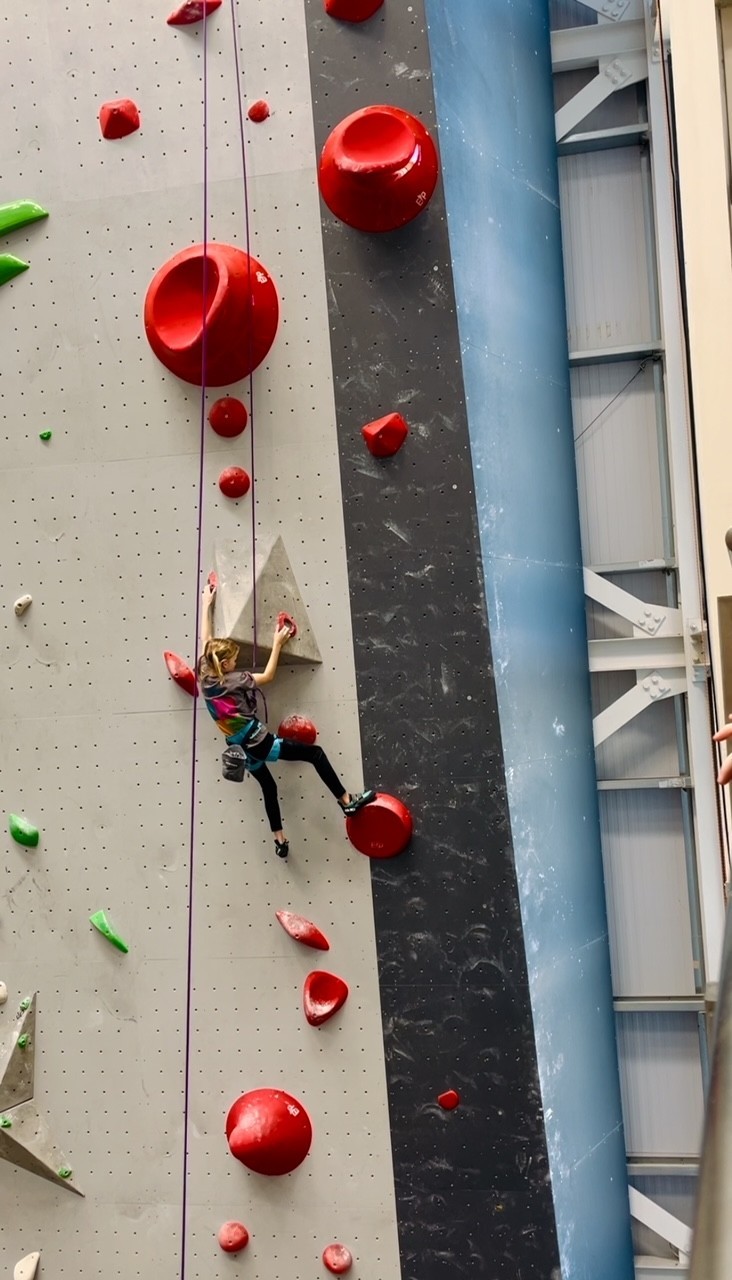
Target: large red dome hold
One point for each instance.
(378, 169)
(241, 311)
(269, 1131)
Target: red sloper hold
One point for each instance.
(378, 169)
(269, 1131)
(192, 11)
(234, 482)
(323, 994)
(385, 436)
(242, 313)
(181, 672)
(284, 620)
(298, 729)
(381, 829)
(233, 1236)
(228, 417)
(338, 1259)
(259, 111)
(303, 930)
(352, 10)
(118, 118)
(449, 1100)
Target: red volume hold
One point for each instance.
(381, 829)
(298, 729)
(337, 1259)
(234, 482)
(192, 11)
(181, 672)
(303, 930)
(118, 118)
(241, 314)
(378, 169)
(269, 1131)
(323, 994)
(228, 417)
(352, 10)
(385, 436)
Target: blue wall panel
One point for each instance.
(492, 79)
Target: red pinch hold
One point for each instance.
(449, 1100)
(118, 118)
(192, 11)
(259, 111)
(284, 620)
(233, 1236)
(303, 930)
(385, 436)
(323, 994)
(181, 672)
(234, 482)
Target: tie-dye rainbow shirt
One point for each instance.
(232, 701)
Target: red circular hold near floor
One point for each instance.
(259, 111)
(241, 309)
(338, 1259)
(378, 169)
(352, 10)
(298, 729)
(269, 1131)
(228, 417)
(381, 829)
(233, 1237)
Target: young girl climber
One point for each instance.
(231, 697)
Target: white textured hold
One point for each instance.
(3, 993)
(22, 603)
(27, 1267)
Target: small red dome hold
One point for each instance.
(303, 930)
(449, 1100)
(240, 321)
(233, 1236)
(381, 829)
(338, 1259)
(259, 111)
(192, 11)
(378, 169)
(181, 672)
(234, 482)
(323, 994)
(118, 118)
(298, 729)
(352, 10)
(385, 436)
(269, 1131)
(228, 417)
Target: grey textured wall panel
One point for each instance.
(100, 525)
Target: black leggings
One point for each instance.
(292, 751)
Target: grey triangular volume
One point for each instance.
(276, 592)
(29, 1145)
(16, 1062)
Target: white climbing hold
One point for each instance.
(27, 1267)
(22, 603)
(3, 993)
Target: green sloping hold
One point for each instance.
(18, 213)
(11, 267)
(100, 922)
(22, 830)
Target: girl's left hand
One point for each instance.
(209, 595)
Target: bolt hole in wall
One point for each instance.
(100, 528)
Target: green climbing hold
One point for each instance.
(23, 831)
(6, 1122)
(45, 435)
(23, 1041)
(10, 267)
(65, 1171)
(100, 922)
(19, 213)
(24, 1004)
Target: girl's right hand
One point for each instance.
(282, 635)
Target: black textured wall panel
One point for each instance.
(473, 1190)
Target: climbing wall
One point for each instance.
(99, 525)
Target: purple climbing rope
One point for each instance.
(199, 547)
(248, 240)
